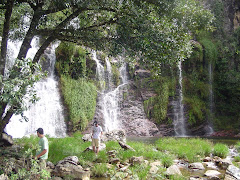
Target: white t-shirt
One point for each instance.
(96, 132)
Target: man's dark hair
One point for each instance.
(40, 130)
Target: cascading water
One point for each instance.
(209, 129)
(109, 97)
(48, 111)
(179, 120)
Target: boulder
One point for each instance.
(6, 140)
(102, 146)
(3, 177)
(136, 160)
(196, 166)
(210, 165)
(50, 165)
(125, 146)
(69, 167)
(232, 173)
(212, 174)
(114, 161)
(173, 170)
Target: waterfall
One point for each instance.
(179, 120)
(209, 129)
(48, 111)
(109, 97)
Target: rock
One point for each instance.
(50, 165)
(102, 146)
(136, 160)
(120, 175)
(87, 137)
(3, 177)
(65, 168)
(212, 174)
(142, 73)
(124, 169)
(56, 178)
(71, 159)
(154, 167)
(114, 161)
(196, 166)
(225, 163)
(207, 159)
(173, 170)
(232, 173)
(210, 165)
(125, 146)
(6, 140)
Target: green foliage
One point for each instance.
(196, 79)
(116, 75)
(80, 98)
(227, 82)
(141, 170)
(31, 170)
(156, 106)
(210, 50)
(218, 10)
(20, 83)
(71, 60)
(100, 170)
(220, 150)
(189, 149)
(197, 107)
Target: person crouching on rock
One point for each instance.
(96, 136)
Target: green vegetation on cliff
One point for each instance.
(156, 107)
(79, 93)
(80, 98)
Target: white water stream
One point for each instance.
(211, 100)
(179, 120)
(109, 96)
(48, 111)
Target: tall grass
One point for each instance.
(189, 149)
(80, 98)
(220, 150)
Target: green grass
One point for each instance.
(100, 169)
(164, 150)
(80, 97)
(191, 150)
(220, 150)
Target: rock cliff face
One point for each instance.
(132, 114)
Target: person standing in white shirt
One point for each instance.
(96, 136)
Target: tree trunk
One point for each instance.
(8, 13)
(29, 36)
(5, 120)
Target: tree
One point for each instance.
(157, 31)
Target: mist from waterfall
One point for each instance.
(48, 111)
(109, 96)
(178, 108)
